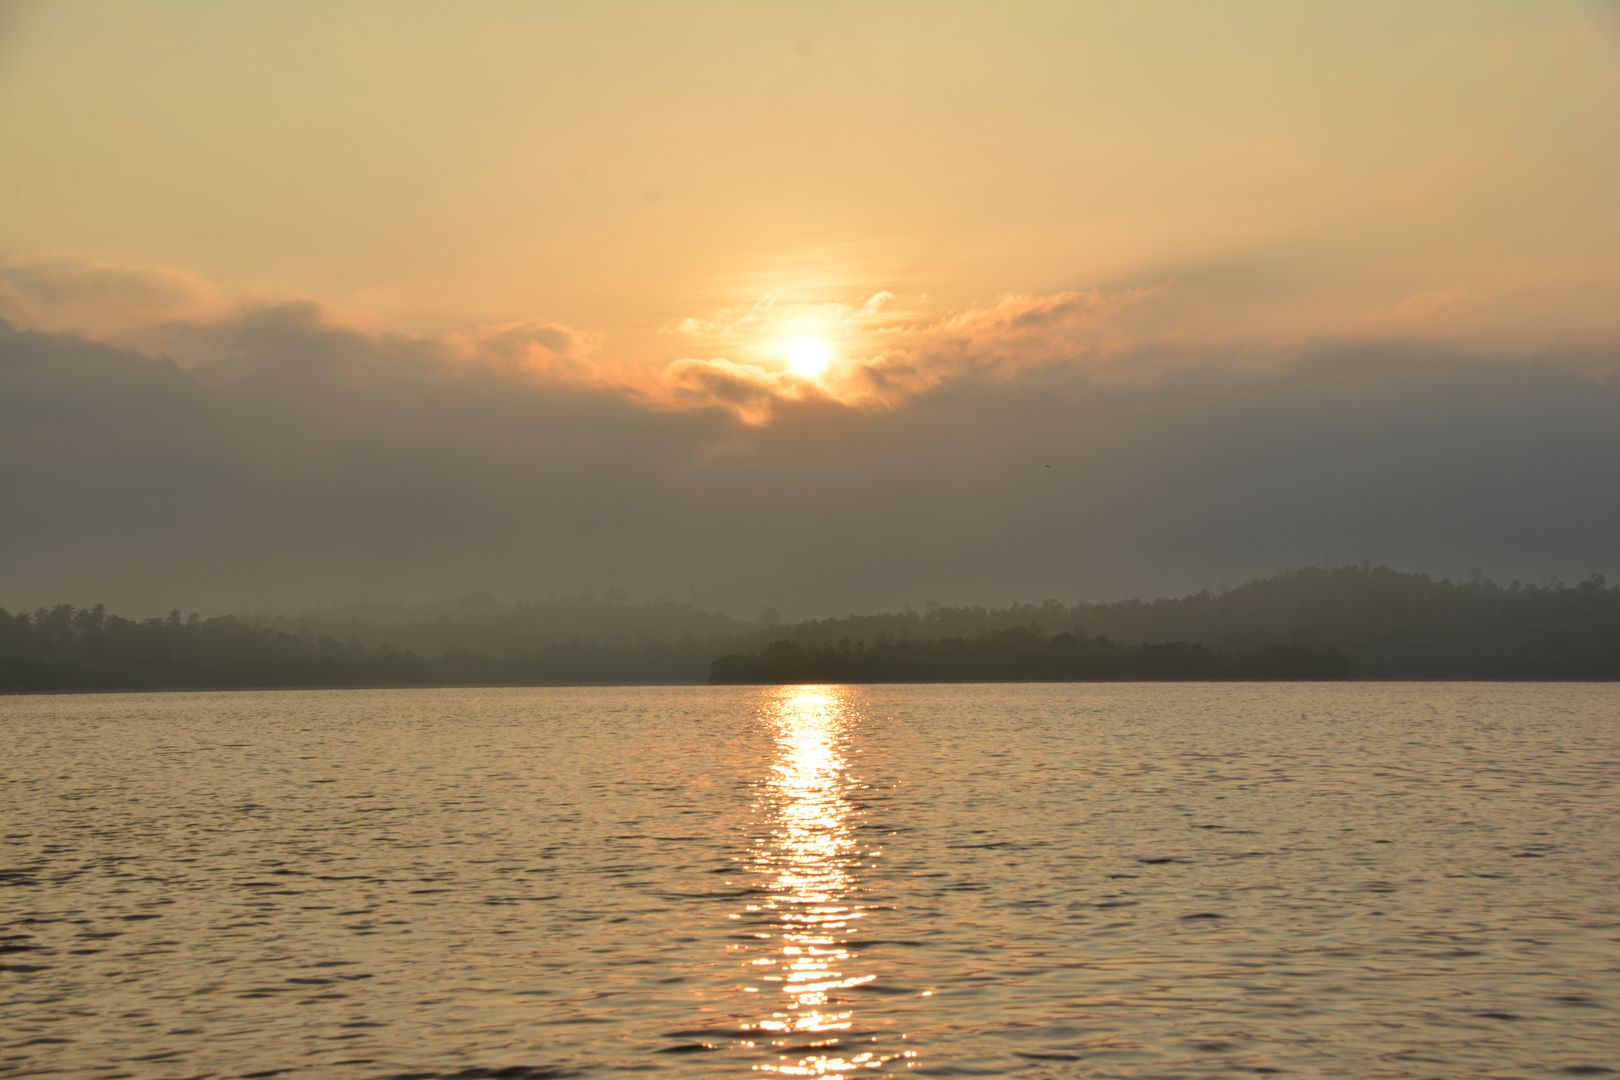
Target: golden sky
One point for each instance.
(1114, 239)
(1268, 171)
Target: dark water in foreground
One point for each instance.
(1350, 880)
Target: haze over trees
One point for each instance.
(1357, 622)
(477, 623)
(1391, 625)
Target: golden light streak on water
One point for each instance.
(810, 861)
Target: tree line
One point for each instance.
(1024, 654)
(75, 649)
(1383, 623)
(1389, 624)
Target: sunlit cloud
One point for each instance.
(546, 350)
(63, 292)
(879, 353)
(872, 353)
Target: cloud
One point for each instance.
(1015, 450)
(260, 451)
(536, 346)
(102, 300)
(884, 352)
(882, 355)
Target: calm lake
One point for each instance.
(1120, 880)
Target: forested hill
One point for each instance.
(65, 648)
(86, 649)
(1385, 624)
(1391, 625)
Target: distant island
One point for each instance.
(1358, 622)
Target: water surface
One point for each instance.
(1324, 880)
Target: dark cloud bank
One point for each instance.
(307, 463)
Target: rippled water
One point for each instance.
(1357, 880)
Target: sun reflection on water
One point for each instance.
(811, 904)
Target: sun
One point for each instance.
(808, 356)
